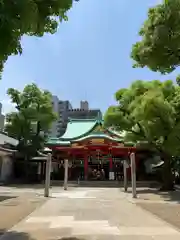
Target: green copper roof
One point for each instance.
(81, 129)
(77, 128)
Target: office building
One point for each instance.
(64, 111)
(60, 108)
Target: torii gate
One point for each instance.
(48, 174)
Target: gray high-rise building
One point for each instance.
(60, 108)
(84, 114)
(65, 111)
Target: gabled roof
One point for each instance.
(81, 129)
(77, 128)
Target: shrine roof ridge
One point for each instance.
(98, 135)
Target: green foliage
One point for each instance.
(159, 48)
(34, 116)
(149, 111)
(31, 17)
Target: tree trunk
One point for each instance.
(167, 176)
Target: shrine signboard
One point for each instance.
(97, 141)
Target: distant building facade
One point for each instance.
(60, 108)
(84, 114)
(6, 157)
(64, 110)
(2, 118)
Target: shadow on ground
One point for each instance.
(168, 212)
(4, 198)
(23, 186)
(13, 235)
(101, 184)
(92, 183)
(69, 238)
(155, 194)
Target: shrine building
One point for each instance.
(94, 152)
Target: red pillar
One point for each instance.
(85, 166)
(110, 161)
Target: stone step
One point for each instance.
(104, 183)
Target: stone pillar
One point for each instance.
(65, 173)
(48, 175)
(133, 174)
(111, 173)
(125, 175)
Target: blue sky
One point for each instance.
(87, 59)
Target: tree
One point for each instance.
(31, 17)
(150, 112)
(159, 47)
(34, 116)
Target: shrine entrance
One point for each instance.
(93, 151)
(125, 166)
(98, 169)
(92, 164)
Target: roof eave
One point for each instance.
(98, 136)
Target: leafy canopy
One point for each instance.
(33, 117)
(149, 111)
(31, 17)
(159, 47)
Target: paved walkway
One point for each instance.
(91, 214)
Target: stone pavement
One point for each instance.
(16, 206)
(91, 214)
